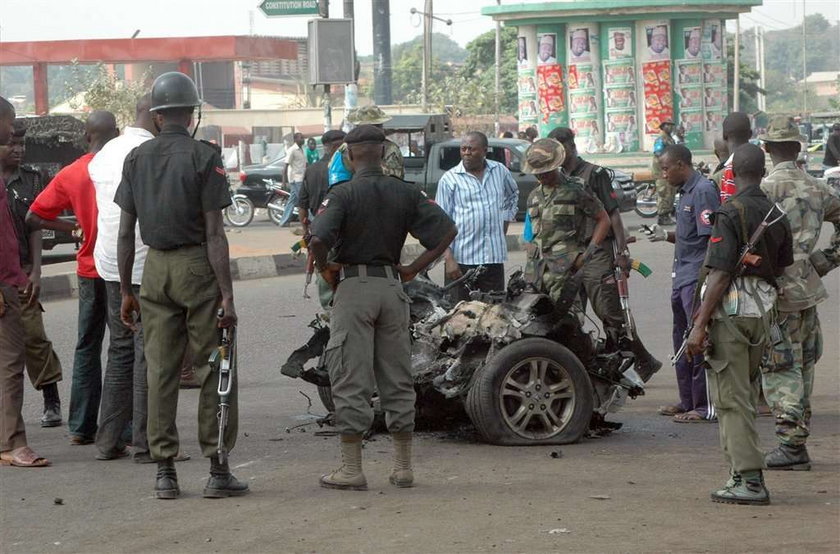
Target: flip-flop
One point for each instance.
(671, 410)
(22, 457)
(690, 417)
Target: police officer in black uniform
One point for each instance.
(176, 188)
(23, 184)
(367, 220)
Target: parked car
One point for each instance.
(443, 156)
(253, 175)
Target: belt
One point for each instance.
(383, 271)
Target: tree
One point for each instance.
(105, 91)
(749, 89)
(481, 63)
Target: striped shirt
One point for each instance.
(480, 210)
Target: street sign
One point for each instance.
(283, 8)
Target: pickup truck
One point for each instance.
(427, 170)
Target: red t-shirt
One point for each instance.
(72, 189)
(727, 182)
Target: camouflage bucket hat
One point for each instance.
(543, 156)
(368, 115)
(781, 129)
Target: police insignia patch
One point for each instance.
(706, 217)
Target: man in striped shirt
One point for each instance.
(481, 196)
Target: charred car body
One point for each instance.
(524, 373)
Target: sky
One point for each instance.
(36, 20)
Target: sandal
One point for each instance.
(690, 417)
(671, 410)
(22, 457)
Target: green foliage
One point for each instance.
(407, 73)
(480, 65)
(748, 93)
(443, 48)
(104, 90)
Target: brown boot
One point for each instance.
(402, 475)
(349, 476)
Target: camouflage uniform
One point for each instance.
(559, 216)
(665, 193)
(788, 368)
(392, 159)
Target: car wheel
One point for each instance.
(533, 391)
(240, 213)
(646, 201)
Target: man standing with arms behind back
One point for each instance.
(72, 189)
(176, 188)
(788, 371)
(481, 196)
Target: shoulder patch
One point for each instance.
(716, 239)
(706, 217)
(220, 171)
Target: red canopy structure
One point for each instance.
(181, 50)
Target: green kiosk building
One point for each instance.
(613, 70)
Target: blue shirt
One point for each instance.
(698, 201)
(480, 210)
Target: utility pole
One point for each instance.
(324, 10)
(428, 16)
(736, 92)
(804, 68)
(498, 93)
(381, 52)
(762, 82)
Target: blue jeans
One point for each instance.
(691, 375)
(294, 194)
(124, 391)
(86, 388)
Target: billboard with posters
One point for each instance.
(658, 101)
(583, 53)
(526, 47)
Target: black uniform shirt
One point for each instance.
(775, 247)
(22, 187)
(169, 182)
(315, 185)
(596, 180)
(367, 219)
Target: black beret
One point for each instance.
(332, 136)
(365, 134)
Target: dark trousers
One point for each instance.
(491, 280)
(86, 388)
(12, 355)
(691, 375)
(124, 391)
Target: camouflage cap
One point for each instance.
(781, 129)
(666, 122)
(368, 115)
(543, 156)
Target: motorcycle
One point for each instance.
(270, 195)
(646, 193)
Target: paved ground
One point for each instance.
(651, 478)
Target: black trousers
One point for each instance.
(491, 280)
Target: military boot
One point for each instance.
(744, 488)
(646, 364)
(349, 476)
(52, 406)
(788, 457)
(222, 483)
(166, 486)
(402, 475)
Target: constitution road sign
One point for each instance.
(282, 8)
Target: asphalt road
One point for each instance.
(644, 488)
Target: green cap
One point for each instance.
(543, 156)
(781, 129)
(368, 115)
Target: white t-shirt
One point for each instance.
(297, 164)
(105, 170)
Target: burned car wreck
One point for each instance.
(524, 372)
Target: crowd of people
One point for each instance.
(746, 278)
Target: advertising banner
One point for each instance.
(658, 94)
(550, 86)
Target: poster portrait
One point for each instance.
(713, 98)
(527, 84)
(689, 72)
(658, 100)
(690, 97)
(522, 52)
(691, 121)
(582, 76)
(580, 47)
(712, 39)
(585, 127)
(714, 74)
(582, 102)
(713, 121)
(619, 72)
(620, 97)
(621, 133)
(657, 41)
(620, 40)
(528, 111)
(546, 49)
(691, 42)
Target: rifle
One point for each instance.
(747, 258)
(223, 360)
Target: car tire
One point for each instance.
(240, 213)
(502, 413)
(646, 201)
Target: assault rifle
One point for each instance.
(223, 360)
(748, 258)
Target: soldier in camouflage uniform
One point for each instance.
(392, 160)
(788, 368)
(558, 210)
(664, 192)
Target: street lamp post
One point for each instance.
(428, 16)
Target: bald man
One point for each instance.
(72, 189)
